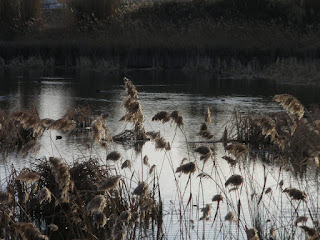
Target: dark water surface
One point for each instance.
(54, 92)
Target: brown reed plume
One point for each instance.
(97, 204)
(46, 122)
(100, 132)
(252, 233)
(44, 195)
(153, 167)
(28, 231)
(5, 197)
(203, 150)
(311, 232)
(80, 115)
(26, 175)
(290, 104)
(177, 118)
(30, 146)
(114, 156)
(109, 183)
(130, 88)
(295, 194)
(235, 180)
(230, 160)
(126, 164)
(125, 216)
(217, 198)
(53, 227)
(301, 219)
(153, 135)
(146, 161)
(230, 217)
(206, 212)
(64, 125)
(161, 144)
(237, 149)
(161, 116)
(187, 168)
(141, 189)
(99, 219)
(63, 178)
(206, 134)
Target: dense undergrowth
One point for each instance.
(91, 199)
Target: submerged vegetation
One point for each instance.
(109, 198)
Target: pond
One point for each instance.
(55, 91)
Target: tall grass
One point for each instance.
(94, 200)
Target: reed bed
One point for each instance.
(109, 199)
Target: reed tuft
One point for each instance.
(28, 231)
(290, 104)
(114, 156)
(235, 180)
(141, 189)
(206, 212)
(97, 204)
(187, 168)
(295, 194)
(109, 183)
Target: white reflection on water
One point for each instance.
(54, 96)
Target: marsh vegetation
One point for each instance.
(109, 195)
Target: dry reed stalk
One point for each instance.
(161, 116)
(44, 195)
(217, 198)
(187, 168)
(295, 194)
(141, 189)
(206, 212)
(63, 178)
(114, 156)
(235, 180)
(237, 149)
(26, 175)
(126, 164)
(5, 197)
(290, 104)
(109, 183)
(230, 217)
(252, 234)
(208, 116)
(97, 204)
(230, 160)
(28, 231)
(99, 219)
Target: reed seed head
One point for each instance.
(97, 204)
(5, 198)
(235, 180)
(125, 216)
(109, 183)
(230, 217)
(230, 160)
(146, 160)
(44, 195)
(152, 169)
(141, 189)
(113, 156)
(53, 227)
(290, 104)
(28, 176)
(252, 234)
(217, 198)
(206, 212)
(99, 219)
(203, 150)
(296, 194)
(161, 116)
(126, 164)
(208, 116)
(187, 168)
